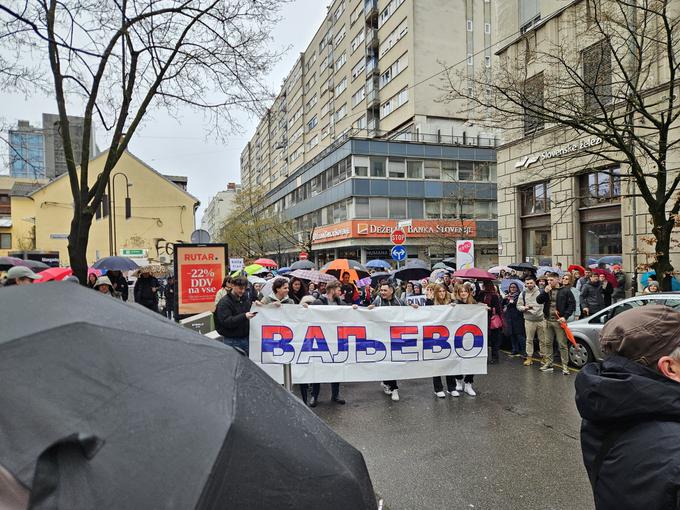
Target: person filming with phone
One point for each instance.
(233, 314)
(534, 318)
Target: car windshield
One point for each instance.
(673, 302)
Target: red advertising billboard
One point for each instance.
(199, 271)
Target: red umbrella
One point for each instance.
(474, 274)
(576, 267)
(608, 275)
(267, 263)
(59, 273)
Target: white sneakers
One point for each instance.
(469, 390)
(440, 394)
(454, 393)
(388, 391)
(459, 385)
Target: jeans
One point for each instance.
(238, 343)
(450, 383)
(335, 391)
(495, 340)
(169, 313)
(517, 342)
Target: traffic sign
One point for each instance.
(398, 236)
(398, 253)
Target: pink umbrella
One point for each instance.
(59, 273)
(474, 274)
(267, 263)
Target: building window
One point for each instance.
(415, 209)
(432, 169)
(378, 206)
(398, 208)
(603, 187)
(358, 96)
(535, 199)
(361, 207)
(397, 168)
(601, 239)
(433, 209)
(533, 104)
(470, 59)
(341, 61)
(312, 123)
(5, 241)
(466, 170)
(449, 170)
(449, 209)
(536, 243)
(485, 171)
(414, 169)
(597, 75)
(469, 25)
(378, 167)
(487, 28)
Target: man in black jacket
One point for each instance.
(592, 296)
(630, 405)
(233, 314)
(146, 291)
(558, 304)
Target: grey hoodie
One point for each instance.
(528, 298)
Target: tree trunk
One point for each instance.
(77, 245)
(663, 229)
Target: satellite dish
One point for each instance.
(200, 236)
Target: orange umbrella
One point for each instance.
(338, 266)
(567, 331)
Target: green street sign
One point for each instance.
(133, 253)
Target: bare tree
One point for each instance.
(120, 59)
(608, 69)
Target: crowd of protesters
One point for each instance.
(527, 318)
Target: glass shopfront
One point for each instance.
(601, 239)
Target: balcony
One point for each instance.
(372, 67)
(372, 38)
(373, 127)
(372, 99)
(370, 9)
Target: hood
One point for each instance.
(619, 389)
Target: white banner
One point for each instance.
(340, 344)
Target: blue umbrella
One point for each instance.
(505, 284)
(644, 280)
(283, 270)
(116, 264)
(542, 270)
(610, 260)
(378, 264)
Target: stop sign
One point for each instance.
(398, 236)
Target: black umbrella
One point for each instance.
(451, 262)
(108, 405)
(414, 270)
(521, 266)
(378, 278)
(116, 264)
(35, 264)
(302, 264)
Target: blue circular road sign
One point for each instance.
(398, 253)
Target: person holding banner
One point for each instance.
(279, 295)
(332, 297)
(387, 298)
(233, 314)
(462, 295)
(442, 297)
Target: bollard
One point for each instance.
(287, 377)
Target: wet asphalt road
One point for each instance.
(514, 446)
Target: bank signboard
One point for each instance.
(384, 228)
(574, 147)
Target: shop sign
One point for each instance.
(384, 229)
(489, 250)
(200, 270)
(573, 147)
(377, 253)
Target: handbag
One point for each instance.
(496, 321)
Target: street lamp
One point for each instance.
(128, 204)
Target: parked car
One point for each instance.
(587, 330)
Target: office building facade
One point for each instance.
(562, 197)
(218, 209)
(373, 71)
(27, 151)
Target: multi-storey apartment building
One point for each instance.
(565, 195)
(374, 71)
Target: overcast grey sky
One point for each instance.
(184, 148)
